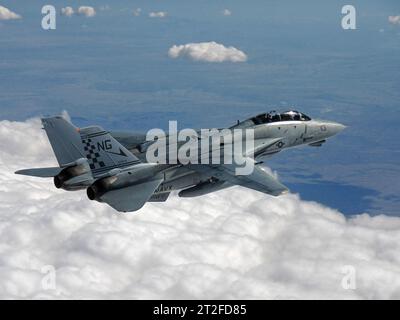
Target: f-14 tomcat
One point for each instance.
(113, 167)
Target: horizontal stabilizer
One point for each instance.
(41, 172)
(131, 198)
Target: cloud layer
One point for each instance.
(230, 244)
(207, 51)
(7, 14)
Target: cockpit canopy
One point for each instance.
(274, 116)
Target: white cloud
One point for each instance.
(7, 14)
(87, 11)
(230, 244)
(394, 19)
(137, 12)
(67, 11)
(226, 12)
(207, 51)
(159, 14)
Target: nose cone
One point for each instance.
(334, 128)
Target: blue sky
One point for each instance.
(114, 70)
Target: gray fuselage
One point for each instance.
(269, 138)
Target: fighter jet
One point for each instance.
(114, 169)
